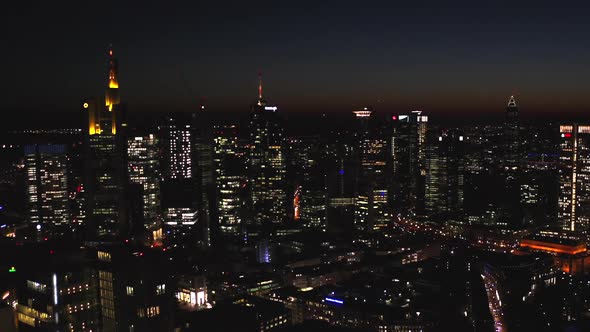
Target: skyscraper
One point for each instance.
(574, 177)
(307, 171)
(188, 186)
(267, 163)
(143, 170)
(372, 206)
(76, 181)
(230, 179)
(342, 175)
(408, 161)
(176, 138)
(59, 294)
(47, 186)
(188, 173)
(204, 174)
(511, 135)
(444, 175)
(105, 164)
(136, 290)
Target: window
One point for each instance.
(161, 289)
(153, 311)
(36, 286)
(130, 290)
(104, 256)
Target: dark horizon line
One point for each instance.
(300, 109)
(67, 119)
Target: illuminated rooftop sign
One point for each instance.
(362, 114)
(329, 299)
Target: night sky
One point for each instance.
(438, 56)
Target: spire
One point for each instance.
(113, 70)
(260, 101)
(512, 102)
(260, 86)
(112, 91)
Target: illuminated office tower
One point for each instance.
(177, 149)
(574, 177)
(105, 164)
(373, 163)
(538, 190)
(408, 161)
(307, 171)
(188, 189)
(267, 163)
(179, 195)
(136, 290)
(444, 175)
(179, 189)
(47, 186)
(312, 199)
(372, 206)
(60, 294)
(143, 170)
(512, 146)
(229, 171)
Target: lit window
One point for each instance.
(153, 311)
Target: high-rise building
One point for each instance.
(136, 289)
(512, 151)
(342, 166)
(444, 175)
(58, 297)
(76, 180)
(229, 169)
(204, 174)
(179, 188)
(143, 170)
(176, 141)
(372, 205)
(105, 162)
(308, 174)
(47, 186)
(188, 190)
(408, 161)
(267, 163)
(574, 177)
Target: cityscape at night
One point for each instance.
(334, 167)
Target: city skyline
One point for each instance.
(456, 59)
(389, 168)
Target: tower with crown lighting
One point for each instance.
(511, 135)
(105, 162)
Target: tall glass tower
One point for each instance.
(574, 177)
(267, 163)
(105, 162)
(47, 186)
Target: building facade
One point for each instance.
(47, 187)
(267, 166)
(574, 177)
